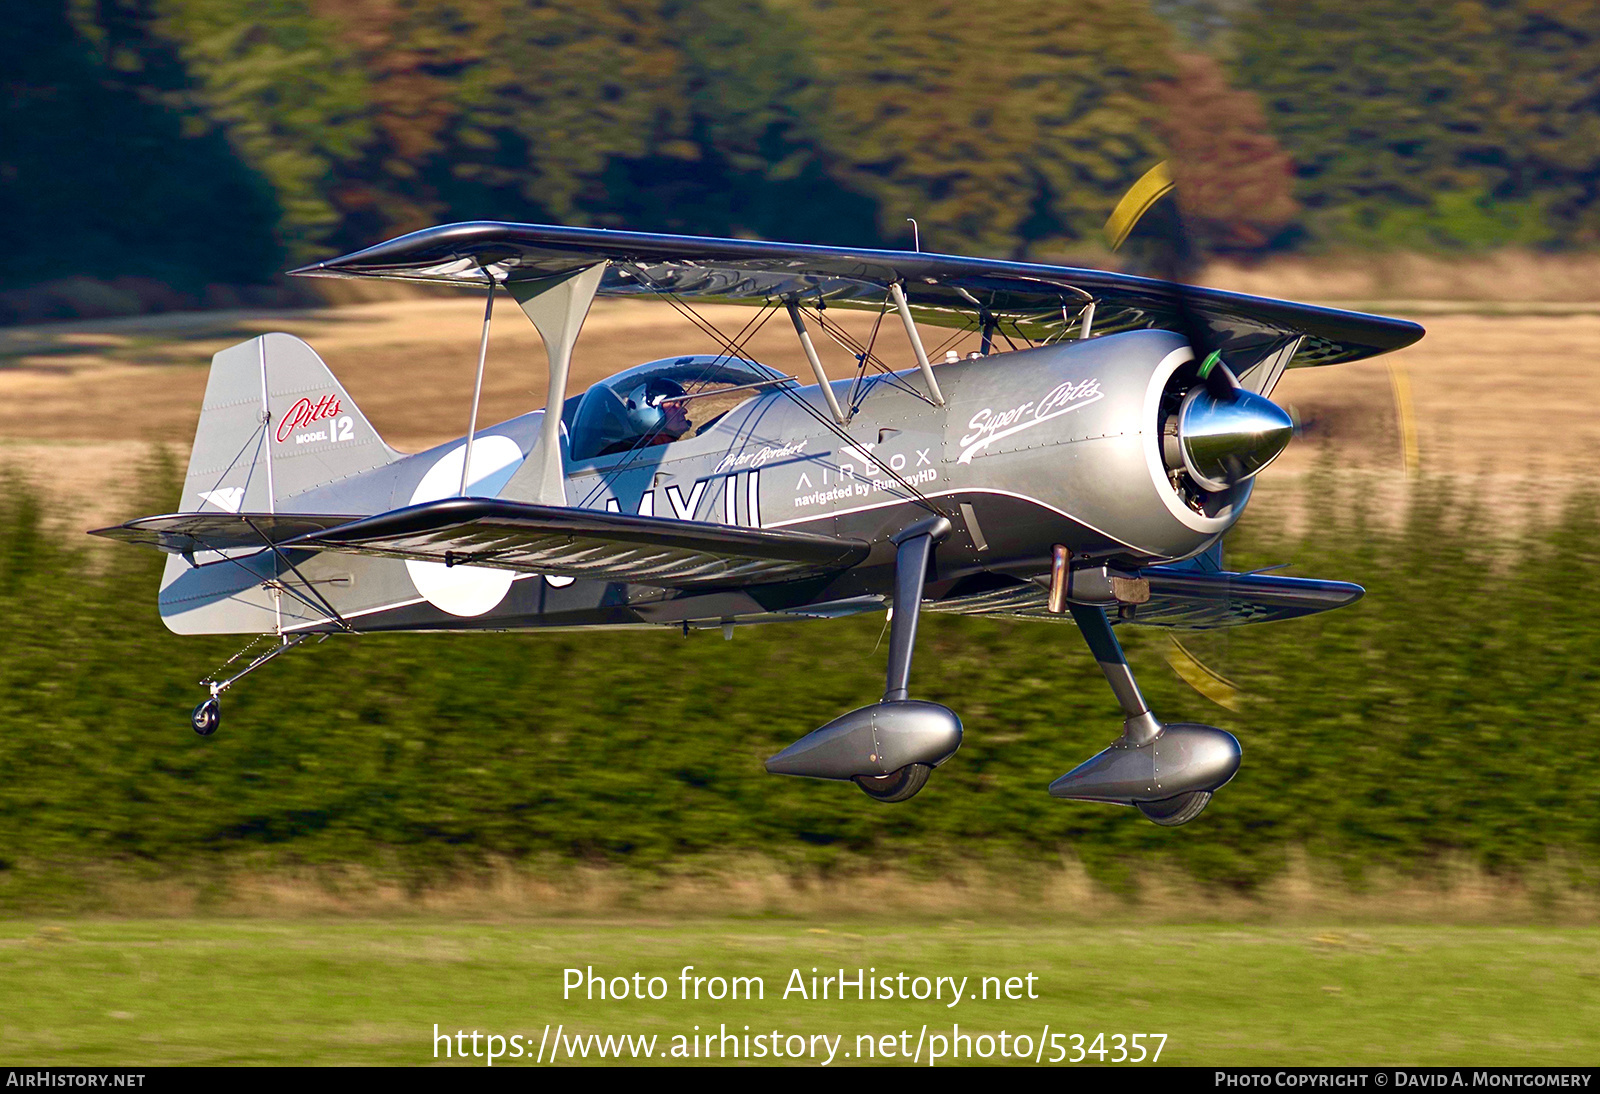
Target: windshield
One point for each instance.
(660, 402)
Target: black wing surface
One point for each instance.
(580, 543)
(1038, 302)
(1182, 599)
(585, 543)
(1193, 600)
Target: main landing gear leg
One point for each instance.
(1168, 772)
(890, 748)
(207, 717)
(913, 552)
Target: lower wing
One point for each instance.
(1180, 598)
(544, 539)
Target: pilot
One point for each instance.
(657, 413)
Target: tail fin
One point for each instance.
(275, 423)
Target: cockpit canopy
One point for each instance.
(658, 402)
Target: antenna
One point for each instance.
(916, 235)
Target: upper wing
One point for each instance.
(585, 543)
(1181, 598)
(944, 290)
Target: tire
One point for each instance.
(1171, 812)
(206, 717)
(897, 786)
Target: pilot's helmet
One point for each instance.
(645, 413)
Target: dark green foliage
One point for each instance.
(665, 115)
(995, 132)
(1434, 125)
(1450, 712)
(108, 168)
(195, 143)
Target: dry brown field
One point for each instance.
(1504, 393)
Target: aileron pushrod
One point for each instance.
(477, 388)
(816, 362)
(898, 291)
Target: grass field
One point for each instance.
(199, 991)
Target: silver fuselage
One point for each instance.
(1054, 445)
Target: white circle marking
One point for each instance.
(461, 589)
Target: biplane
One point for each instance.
(1080, 465)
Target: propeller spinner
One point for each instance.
(1225, 438)
(1224, 434)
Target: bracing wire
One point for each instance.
(864, 355)
(729, 350)
(710, 329)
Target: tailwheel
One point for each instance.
(1171, 812)
(897, 786)
(206, 717)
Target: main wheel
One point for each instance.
(1171, 812)
(206, 717)
(896, 786)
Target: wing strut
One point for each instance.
(477, 388)
(816, 362)
(898, 291)
(1263, 376)
(557, 306)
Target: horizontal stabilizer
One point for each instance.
(186, 533)
(590, 544)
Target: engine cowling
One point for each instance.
(1098, 430)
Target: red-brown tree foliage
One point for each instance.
(1235, 183)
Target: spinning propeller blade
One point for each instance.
(1225, 434)
(1152, 186)
(1203, 679)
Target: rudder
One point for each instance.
(275, 423)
